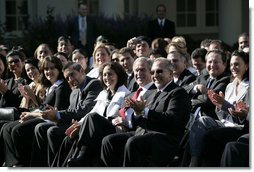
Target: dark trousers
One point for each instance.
(65, 152)
(159, 147)
(55, 136)
(18, 138)
(214, 144)
(236, 154)
(128, 150)
(93, 129)
(112, 148)
(40, 144)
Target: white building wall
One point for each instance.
(61, 7)
(111, 8)
(230, 20)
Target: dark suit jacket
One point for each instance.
(131, 83)
(57, 98)
(12, 98)
(154, 30)
(148, 93)
(166, 114)
(201, 100)
(185, 78)
(73, 31)
(79, 107)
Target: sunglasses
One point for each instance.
(15, 61)
(159, 71)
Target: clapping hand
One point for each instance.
(216, 99)
(131, 43)
(29, 115)
(73, 130)
(241, 110)
(3, 86)
(137, 105)
(50, 113)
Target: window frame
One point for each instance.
(200, 27)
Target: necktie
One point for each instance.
(83, 32)
(134, 97)
(156, 96)
(161, 24)
(210, 82)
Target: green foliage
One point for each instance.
(44, 31)
(117, 29)
(2, 30)
(120, 30)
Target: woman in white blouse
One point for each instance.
(91, 129)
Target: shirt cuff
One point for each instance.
(194, 90)
(58, 116)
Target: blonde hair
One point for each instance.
(97, 47)
(180, 40)
(180, 49)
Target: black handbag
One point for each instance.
(8, 114)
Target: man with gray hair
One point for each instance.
(161, 123)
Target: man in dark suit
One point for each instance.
(181, 75)
(161, 123)
(216, 79)
(85, 90)
(161, 27)
(90, 151)
(81, 29)
(126, 59)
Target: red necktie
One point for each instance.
(134, 97)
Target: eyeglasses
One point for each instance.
(115, 60)
(15, 61)
(159, 71)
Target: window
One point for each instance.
(197, 16)
(212, 13)
(186, 13)
(16, 15)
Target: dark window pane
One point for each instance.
(217, 5)
(10, 7)
(23, 8)
(10, 23)
(210, 20)
(191, 5)
(217, 19)
(191, 18)
(126, 6)
(181, 20)
(180, 5)
(210, 5)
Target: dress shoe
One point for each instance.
(80, 161)
(75, 162)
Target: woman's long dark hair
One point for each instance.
(245, 57)
(119, 70)
(43, 64)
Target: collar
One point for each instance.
(147, 86)
(83, 85)
(165, 86)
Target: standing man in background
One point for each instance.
(81, 29)
(161, 27)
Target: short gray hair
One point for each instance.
(146, 60)
(167, 64)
